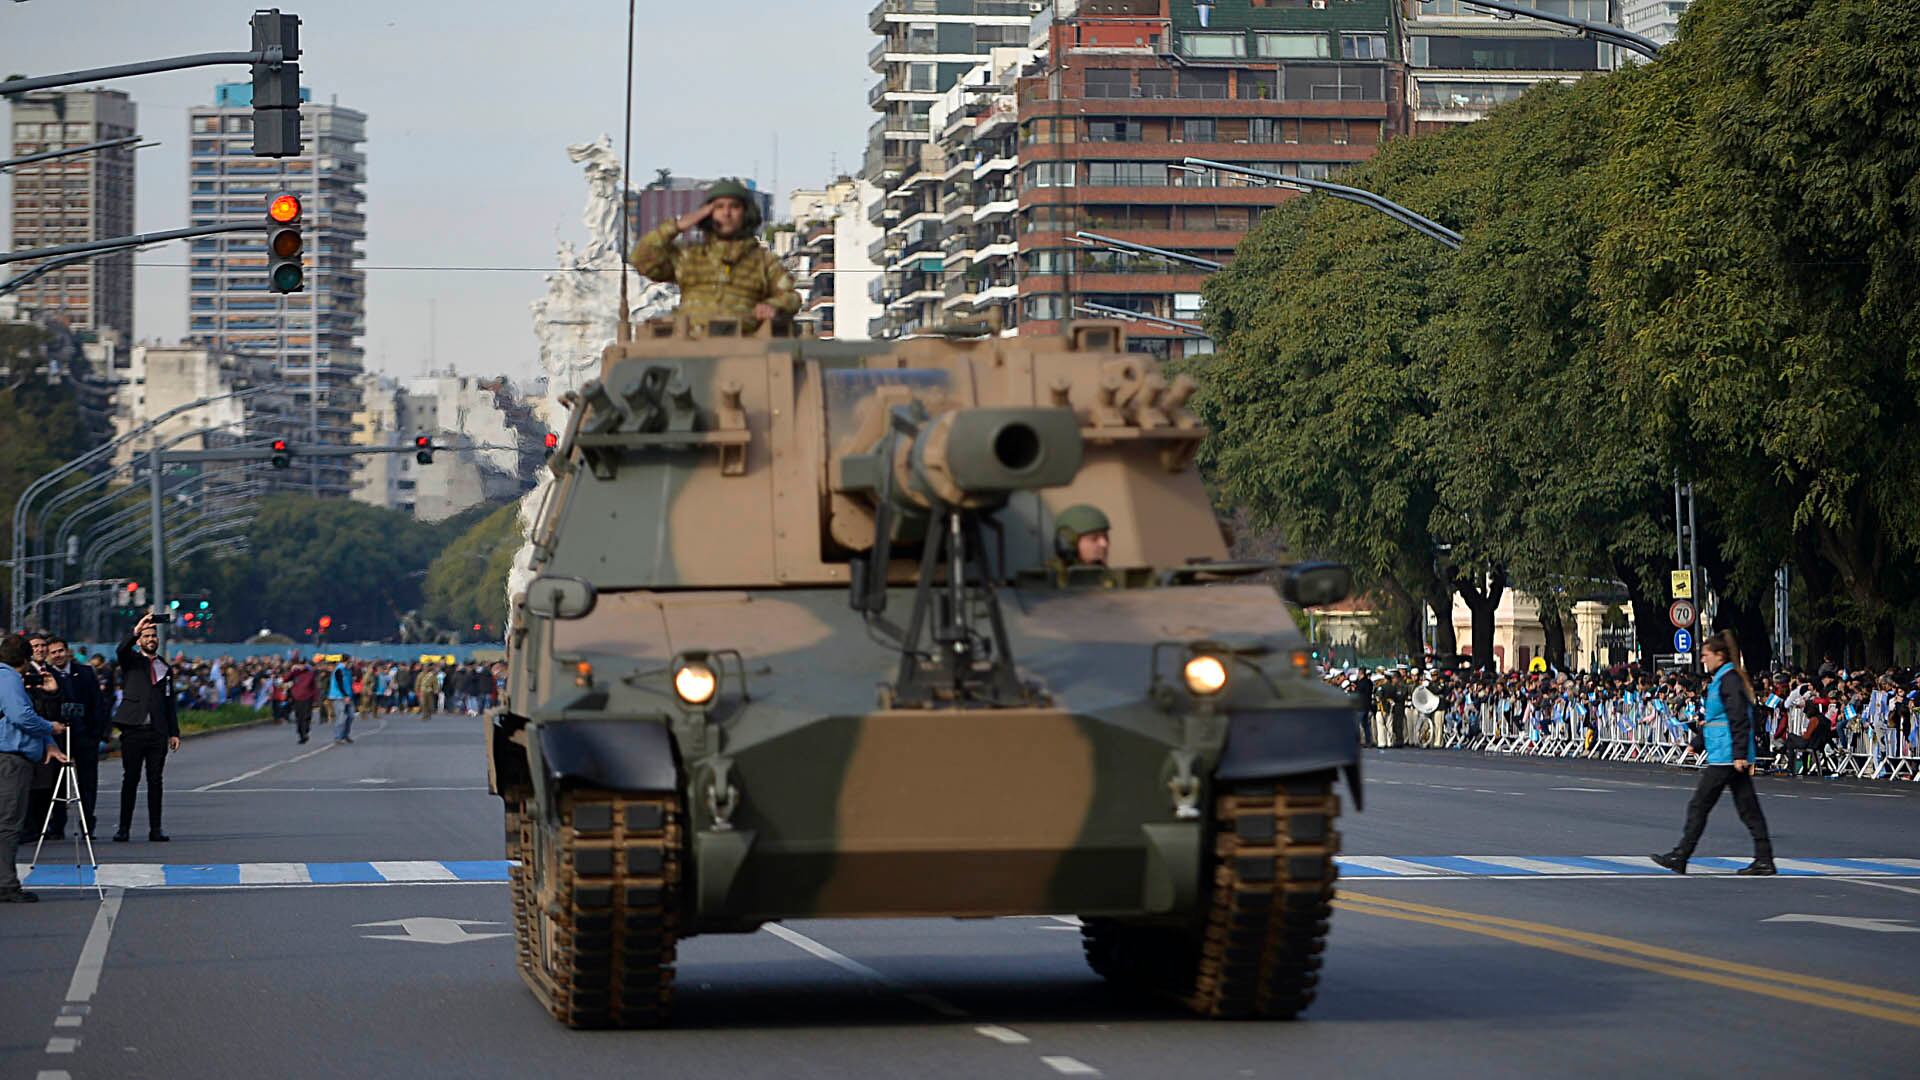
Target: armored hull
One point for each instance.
(801, 645)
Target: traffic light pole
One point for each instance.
(271, 55)
(158, 459)
(136, 240)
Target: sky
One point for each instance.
(470, 107)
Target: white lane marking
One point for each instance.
(53, 1074)
(67, 1021)
(413, 871)
(1394, 866)
(999, 1034)
(430, 931)
(1912, 863)
(93, 954)
(294, 760)
(1070, 920)
(1515, 862)
(855, 967)
(131, 875)
(1879, 885)
(62, 1045)
(1878, 926)
(274, 873)
(1067, 1066)
(1595, 790)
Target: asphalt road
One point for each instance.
(1458, 970)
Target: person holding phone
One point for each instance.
(149, 726)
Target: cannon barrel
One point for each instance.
(974, 458)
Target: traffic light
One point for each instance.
(204, 605)
(284, 274)
(326, 623)
(139, 597)
(281, 458)
(173, 605)
(276, 86)
(553, 441)
(423, 449)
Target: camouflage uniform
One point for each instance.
(719, 279)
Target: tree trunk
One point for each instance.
(1440, 599)
(1409, 610)
(1749, 628)
(1556, 631)
(1483, 599)
(1648, 600)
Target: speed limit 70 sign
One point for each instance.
(1681, 613)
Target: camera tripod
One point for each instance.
(66, 792)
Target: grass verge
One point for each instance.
(226, 716)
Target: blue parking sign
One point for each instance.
(1683, 640)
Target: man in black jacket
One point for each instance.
(149, 730)
(85, 711)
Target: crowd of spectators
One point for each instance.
(1806, 721)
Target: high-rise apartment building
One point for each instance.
(668, 196)
(1463, 60)
(312, 336)
(73, 199)
(924, 48)
(1656, 19)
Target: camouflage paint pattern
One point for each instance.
(728, 536)
(718, 279)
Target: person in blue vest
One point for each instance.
(1730, 751)
(340, 697)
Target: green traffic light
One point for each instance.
(174, 604)
(287, 277)
(203, 605)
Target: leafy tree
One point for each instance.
(467, 583)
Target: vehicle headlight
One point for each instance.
(695, 683)
(1205, 675)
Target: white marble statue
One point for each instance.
(579, 316)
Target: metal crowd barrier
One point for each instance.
(1867, 746)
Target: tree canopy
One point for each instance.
(1691, 268)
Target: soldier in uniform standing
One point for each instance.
(725, 273)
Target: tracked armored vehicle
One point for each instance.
(801, 644)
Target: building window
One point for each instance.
(1335, 82)
(1043, 307)
(1203, 84)
(205, 124)
(1363, 46)
(1506, 54)
(1111, 82)
(1470, 96)
(1214, 46)
(920, 77)
(1294, 46)
(1267, 130)
(1049, 262)
(1126, 174)
(1043, 174)
(1198, 131)
(1157, 83)
(1114, 131)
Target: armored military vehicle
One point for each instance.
(802, 643)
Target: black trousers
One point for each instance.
(303, 717)
(141, 748)
(86, 769)
(1713, 779)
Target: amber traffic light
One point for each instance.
(284, 243)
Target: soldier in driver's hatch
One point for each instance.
(725, 273)
(1080, 536)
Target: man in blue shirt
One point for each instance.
(340, 697)
(26, 740)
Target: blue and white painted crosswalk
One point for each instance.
(1372, 867)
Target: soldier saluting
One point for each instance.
(726, 273)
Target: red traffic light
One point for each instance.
(284, 209)
(133, 586)
(552, 440)
(279, 446)
(326, 621)
(424, 442)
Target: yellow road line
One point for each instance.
(1686, 966)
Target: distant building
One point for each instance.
(74, 199)
(668, 196)
(1463, 60)
(1656, 19)
(822, 219)
(161, 378)
(924, 48)
(312, 336)
(385, 418)
(496, 444)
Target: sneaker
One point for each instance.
(19, 896)
(1758, 868)
(1672, 860)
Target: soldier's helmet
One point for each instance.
(734, 189)
(1074, 522)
